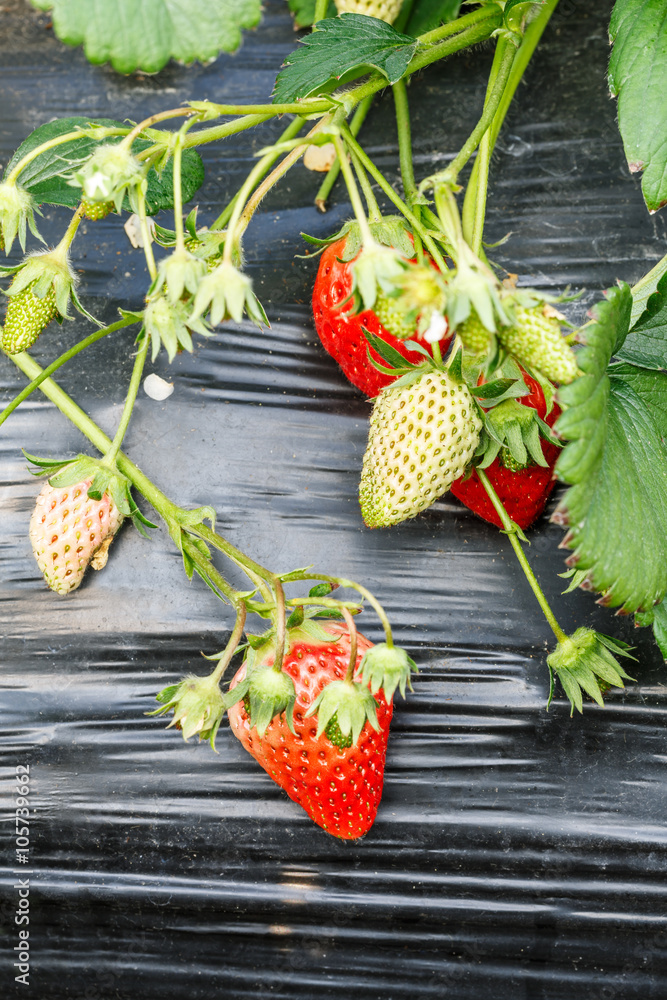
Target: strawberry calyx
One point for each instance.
(342, 709)
(265, 692)
(105, 479)
(17, 213)
(111, 173)
(390, 231)
(585, 662)
(514, 431)
(198, 706)
(387, 667)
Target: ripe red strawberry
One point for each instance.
(340, 332)
(338, 786)
(69, 531)
(523, 493)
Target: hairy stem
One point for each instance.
(511, 529)
(334, 170)
(231, 647)
(268, 160)
(508, 49)
(403, 130)
(58, 140)
(366, 594)
(352, 629)
(63, 359)
(130, 399)
(400, 204)
(353, 191)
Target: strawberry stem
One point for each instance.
(231, 647)
(352, 628)
(366, 594)
(63, 359)
(133, 388)
(353, 191)
(280, 623)
(58, 140)
(321, 7)
(391, 194)
(403, 130)
(508, 47)
(268, 160)
(334, 170)
(146, 237)
(512, 530)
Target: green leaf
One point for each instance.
(47, 175)
(645, 287)
(146, 34)
(660, 627)
(585, 401)
(339, 46)
(617, 511)
(650, 386)
(638, 77)
(646, 344)
(304, 12)
(429, 14)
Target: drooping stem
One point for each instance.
(130, 399)
(366, 594)
(69, 234)
(280, 623)
(405, 156)
(292, 130)
(473, 213)
(512, 530)
(400, 204)
(58, 140)
(63, 359)
(146, 237)
(374, 214)
(352, 629)
(178, 189)
(459, 24)
(508, 49)
(332, 175)
(353, 191)
(231, 647)
(208, 573)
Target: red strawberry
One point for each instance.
(339, 786)
(340, 332)
(523, 493)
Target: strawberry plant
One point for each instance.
(480, 385)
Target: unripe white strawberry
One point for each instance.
(70, 531)
(423, 435)
(384, 10)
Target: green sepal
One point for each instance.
(390, 231)
(322, 589)
(270, 692)
(585, 659)
(198, 707)
(576, 578)
(387, 667)
(350, 703)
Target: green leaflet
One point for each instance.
(646, 344)
(616, 461)
(146, 34)
(46, 176)
(638, 77)
(339, 46)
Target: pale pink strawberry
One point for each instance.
(69, 531)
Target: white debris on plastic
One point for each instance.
(133, 229)
(157, 388)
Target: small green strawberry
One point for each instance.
(95, 210)
(384, 10)
(424, 432)
(536, 341)
(389, 311)
(27, 315)
(474, 335)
